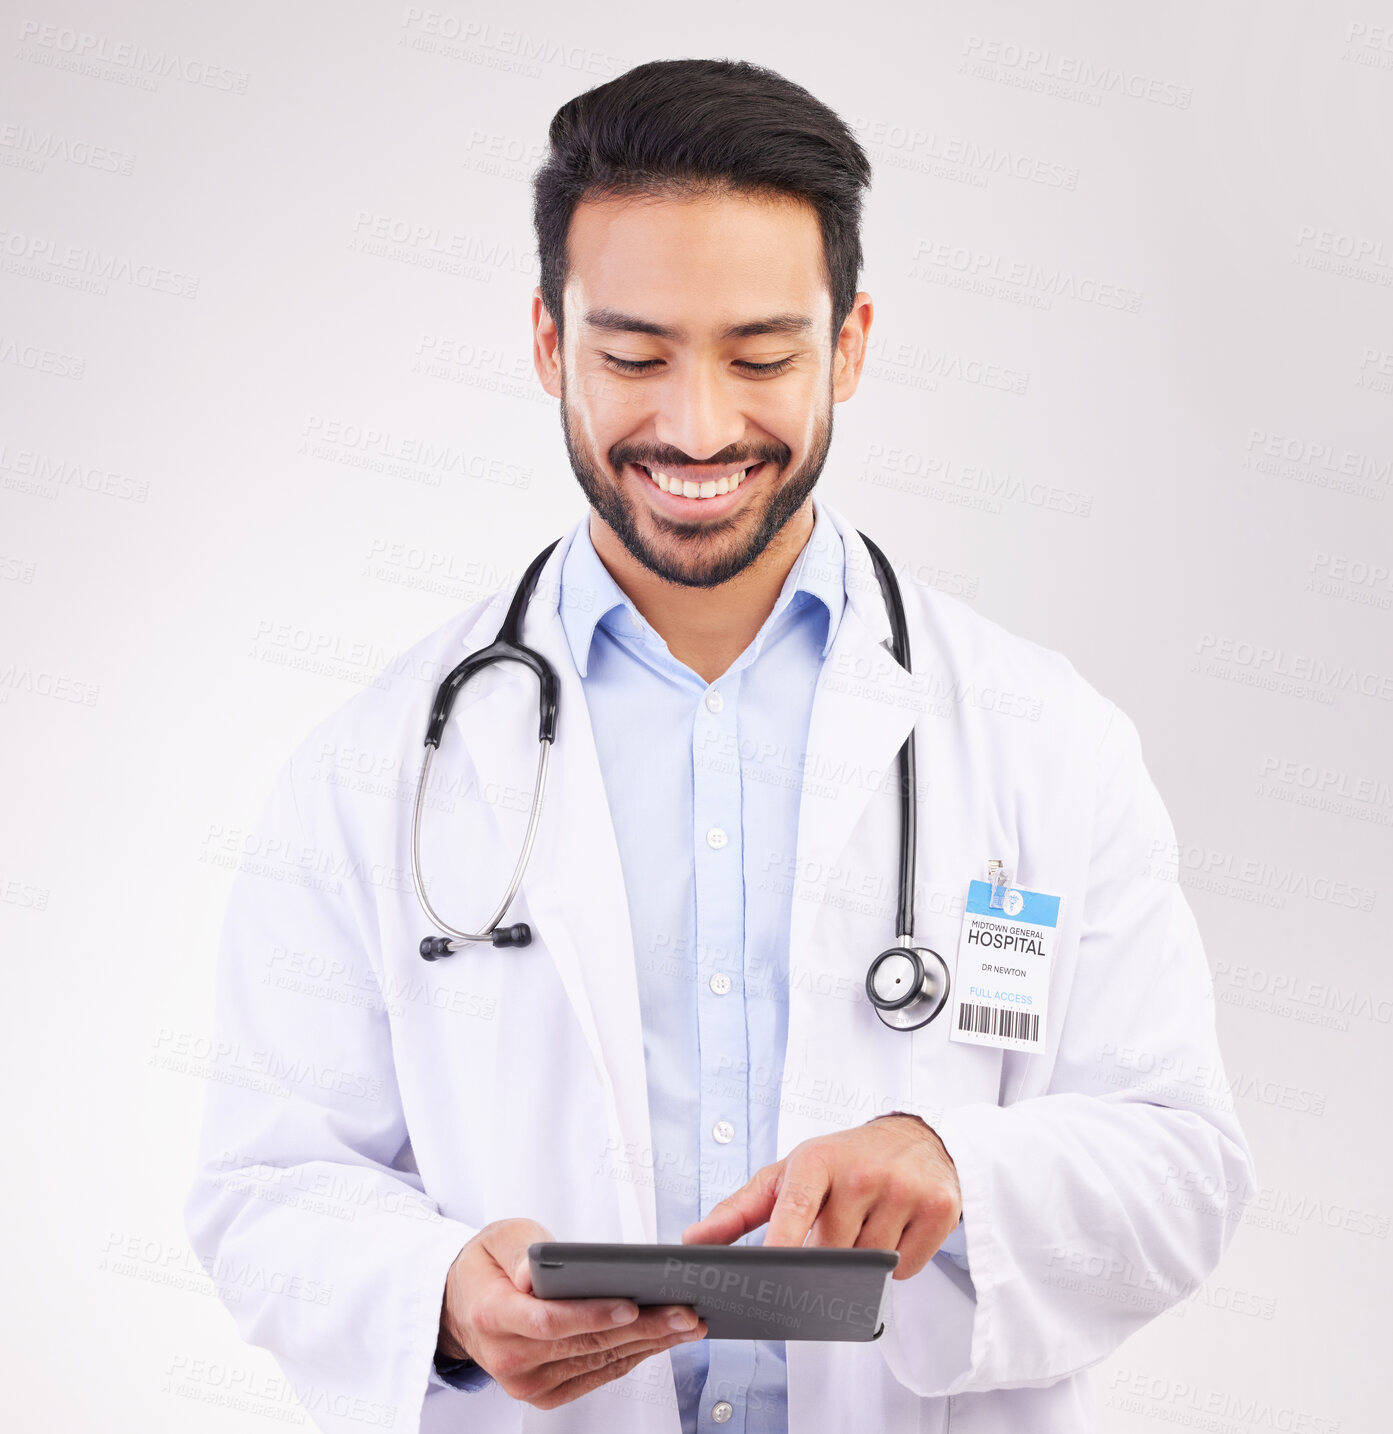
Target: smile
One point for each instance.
(680, 486)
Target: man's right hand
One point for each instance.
(544, 1352)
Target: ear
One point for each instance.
(546, 346)
(850, 355)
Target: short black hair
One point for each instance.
(685, 127)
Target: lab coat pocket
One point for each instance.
(945, 1073)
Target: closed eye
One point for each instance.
(631, 365)
(778, 366)
(764, 370)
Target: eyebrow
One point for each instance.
(614, 322)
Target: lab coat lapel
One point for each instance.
(573, 888)
(864, 706)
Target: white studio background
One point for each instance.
(1131, 396)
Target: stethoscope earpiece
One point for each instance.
(908, 986)
(432, 948)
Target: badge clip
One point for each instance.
(1000, 880)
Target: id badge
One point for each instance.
(1002, 983)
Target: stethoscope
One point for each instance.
(907, 984)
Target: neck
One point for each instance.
(706, 628)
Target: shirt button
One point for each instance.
(716, 838)
(722, 1411)
(720, 983)
(714, 703)
(724, 1131)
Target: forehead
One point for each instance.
(696, 263)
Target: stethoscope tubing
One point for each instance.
(459, 938)
(909, 1011)
(908, 766)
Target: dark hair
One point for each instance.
(680, 127)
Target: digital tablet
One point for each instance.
(741, 1291)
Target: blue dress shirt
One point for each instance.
(703, 782)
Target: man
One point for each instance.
(686, 1051)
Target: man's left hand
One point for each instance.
(885, 1185)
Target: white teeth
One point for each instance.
(685, 488)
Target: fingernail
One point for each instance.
(682, 1321)
(624, 1314)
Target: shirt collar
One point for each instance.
(589, 593)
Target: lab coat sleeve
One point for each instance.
(306, 1208)
(1080, 1217)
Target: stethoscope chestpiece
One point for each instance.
(908, 986)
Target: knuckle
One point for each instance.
(622, 1366)
(861, 1179)
(940, 1205)
(590, 1342)
(810, 1168)
(590, 1361)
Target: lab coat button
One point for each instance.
(716, 838)
(720, 983)
(722, 1411)
(724, 1131)
(714, 703)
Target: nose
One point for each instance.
(698, 414)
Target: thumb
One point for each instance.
(508, 1245)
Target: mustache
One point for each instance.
(654, 458)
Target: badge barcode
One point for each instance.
(998, 1021)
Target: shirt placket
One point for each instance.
(717, 839)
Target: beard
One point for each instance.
(698, 555)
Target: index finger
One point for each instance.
(806, 1185)
(745, 1210)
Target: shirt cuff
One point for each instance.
(462, 1373)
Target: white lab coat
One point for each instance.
(370, 1112)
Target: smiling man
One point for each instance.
(687, 1050)
(698, 318)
